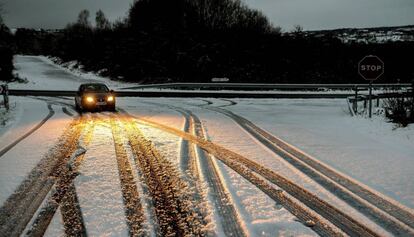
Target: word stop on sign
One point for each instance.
(371, 68)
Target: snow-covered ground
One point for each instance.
(224, 131)
(42, 74)
(373, 152)
(22, 158)
(260, 214)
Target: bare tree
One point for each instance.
(101, 21)
(297, 29)
(83, 18)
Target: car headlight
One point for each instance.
(110, 98)
(89, 99)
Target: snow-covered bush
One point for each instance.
(400, 110)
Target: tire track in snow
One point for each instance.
(20, 207)
(190, 160)
(30, 132)
(190, 170)
(99, 186)
(58, 101)
(133, 208)
(71, 213)
(227, 100)
(208, 102)
(175, 214)
(64, 192)
(54, 101)
(230, 221)
(343, 221)
(341, 186)
(66, 111)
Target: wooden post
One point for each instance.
(6, 96)
(412, 99)
(355, 104)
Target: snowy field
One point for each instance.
(374, 154)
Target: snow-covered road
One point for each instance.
(161, 166)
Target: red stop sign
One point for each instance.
(371, 67)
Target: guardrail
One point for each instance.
(51, 93)
(251, 86)
(201, 94)
(186, 94)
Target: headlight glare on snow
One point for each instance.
(110, 98)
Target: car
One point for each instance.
(94, 96)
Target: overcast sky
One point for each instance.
(310, 14)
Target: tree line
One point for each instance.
(196, 40)
(6, 51)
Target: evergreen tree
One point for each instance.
(6, 53)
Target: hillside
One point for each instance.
(370, 35)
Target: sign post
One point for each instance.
(371, 68)
(370, 98)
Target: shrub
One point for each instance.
(400, 110)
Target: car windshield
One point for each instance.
(94, 88)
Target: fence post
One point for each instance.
(355, 104)
(6, 96)
(378, 101)
(412, 99)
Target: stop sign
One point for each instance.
(371, 67)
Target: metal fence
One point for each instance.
(209, 90)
